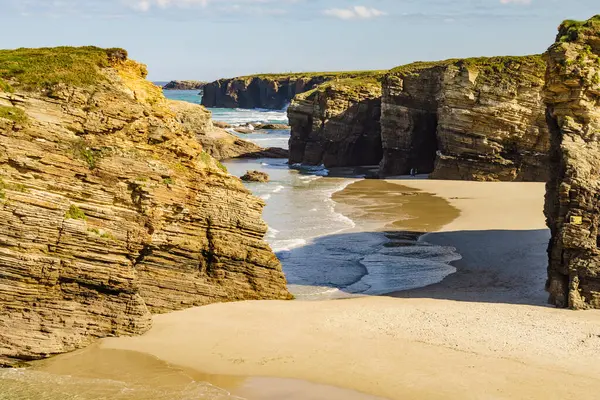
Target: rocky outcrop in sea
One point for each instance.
(572, 209)
(270, 91)
(184, 85)
(110, 209)
(219, 143)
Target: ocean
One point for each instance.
(325, 253)
(328, 248)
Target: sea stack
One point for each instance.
(572, 208)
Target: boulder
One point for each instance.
(255, 176)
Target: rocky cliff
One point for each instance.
(220, 144)
(474, 119)
(274, 91)
(337, 124)
(109, 208)
(184, 85)
(572, 207)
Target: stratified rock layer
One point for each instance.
(220, 144)
(573, 192)
(337, 124)
(110, 210)
(474, 119)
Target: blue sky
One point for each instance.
(209, 39)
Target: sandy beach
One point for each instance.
(485, 332)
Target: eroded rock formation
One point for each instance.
(573, 193)
(220, 144)
(474, 119)
(184, 85)
(273, 91)
(337, 124)
(109, 208)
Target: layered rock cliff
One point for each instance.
(220, 144)
(572, 207)
(273, 91)
(474, 119)
(184, 85)
(109, 208)
(337, 124)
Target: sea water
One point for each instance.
(324, 253)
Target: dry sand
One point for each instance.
(483, 333)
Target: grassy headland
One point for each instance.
(35, 69)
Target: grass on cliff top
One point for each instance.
(328, 75)
(34, 69)
(491, 64)
(14, 114)
(492, 69)
(371, 83)
(572, 31)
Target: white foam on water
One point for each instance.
(287, 245)
(278, 189)
(265, 197)
(271, 233)
(240, 116)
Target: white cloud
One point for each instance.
(146, 5)
(356, 12)
(516, 1)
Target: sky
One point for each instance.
(211, 39)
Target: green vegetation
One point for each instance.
(418, 66)
(17, 187)
(87, 154)
(493, 70)
(205, 158)
(180, 167)
(326, 75)
(104, 235)
(5, 87)
(75, 212)
(107, 235)
(14, 114)
(572, 31)
(35, 69)
(352, 86)
(489, 65)
(221, 167)
(168, 181)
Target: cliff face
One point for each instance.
(572, 207)
(257, 92)
(266, 91)
(220, 144)
(475, 119)
(109, 208)
(337, 124)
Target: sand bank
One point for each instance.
(482, 333)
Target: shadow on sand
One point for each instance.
(496, 266)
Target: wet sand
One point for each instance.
(484, 332)
(100, 373)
